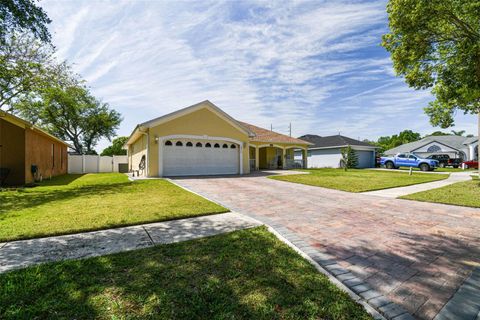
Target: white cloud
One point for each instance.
(315, 64)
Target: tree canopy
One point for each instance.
(23, 16)
(438, 133)
(26, 66)
(36, 86)
(436, 44)
(68, 110)
(389, 142)
(116, 149)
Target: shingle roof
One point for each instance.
(470, 140)
(264, 135)
(332, 141)
(455, 142)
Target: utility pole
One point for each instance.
(290, 129)
(271, 127)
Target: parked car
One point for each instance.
(444, 160)
(408, 160)
(471, 164)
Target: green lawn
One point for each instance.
(74, 203)
(461, 194)
(358, 180)
(246, 274)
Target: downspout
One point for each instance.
(147, 163)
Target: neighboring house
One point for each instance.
(28, 153)
(325, 152)
(454, 146)
(204, 140)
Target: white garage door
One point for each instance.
(187, 158)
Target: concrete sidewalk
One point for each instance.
(403, 191)
(17, 254)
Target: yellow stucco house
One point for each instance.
(204, 140)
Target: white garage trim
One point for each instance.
(161, 148)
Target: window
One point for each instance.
(168, 143)
(233, 146)
(401, 155)
(189, 144)
(216, 145)
(412, 157)
(208, 145)
(199, 144)
(225, 146)
(179, 144)
(434, 148)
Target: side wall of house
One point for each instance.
(49, 155)
(136, 151)
(12, 152)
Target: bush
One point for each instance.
(349, 158)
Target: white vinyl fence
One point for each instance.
(95, 164)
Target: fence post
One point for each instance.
(83, 163)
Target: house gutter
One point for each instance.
(344, 146)
(147, 162)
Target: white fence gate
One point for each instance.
(94, 163)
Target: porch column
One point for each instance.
(284, 158)
(304, 158)
(241, 158)
(257, 158)
(471, 152)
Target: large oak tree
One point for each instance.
(26, 66)
(436, 44)
(23, 16)
(68, 110)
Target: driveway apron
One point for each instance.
(416, 254)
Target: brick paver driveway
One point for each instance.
(417, 254)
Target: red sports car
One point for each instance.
(471, 164)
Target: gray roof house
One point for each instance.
(454, 146)
(325, 152)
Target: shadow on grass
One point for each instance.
(242, 275)
(11, 201)
(421, 272)
(62, 180)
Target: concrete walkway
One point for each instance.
(403, 191)
(17, 254)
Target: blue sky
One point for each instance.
(316, 64)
